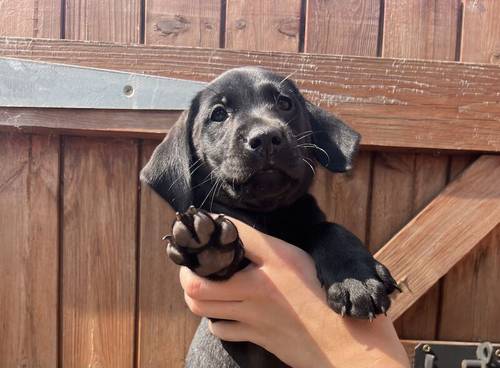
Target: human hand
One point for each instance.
(277, 302)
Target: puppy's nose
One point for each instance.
(265, 140)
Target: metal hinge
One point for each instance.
(457, 355)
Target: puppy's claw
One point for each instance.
(383, 311)
(343, 311)
(192, 210)
(166, 237)
(220, 218)
(371, 316)
(178, 216)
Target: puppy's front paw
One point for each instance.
(365, 294)
(209, 247)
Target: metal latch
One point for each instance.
(457, 355)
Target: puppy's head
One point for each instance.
(249, 140)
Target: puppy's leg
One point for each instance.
(356, 284)
(209, 247)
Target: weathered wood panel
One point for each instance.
(465, 287)
(166, 326)
(29, 182)
(183, 23)
(445, 231)
(404, 183)
(99, 252)
(382, 98)
(95, 20)
(263, 25)
(342, 27)
(29, 18)
(88, 122)
(344, 198)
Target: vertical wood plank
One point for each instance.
(29, 18)
(99, 233)
(29, 177)
(423, 29)
(166, 325)
(404, 183)
(183, 23)
(95, 20)
(263, 25)
(466, 288)
(344, 27)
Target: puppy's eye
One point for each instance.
(284, 103)
(219, 114)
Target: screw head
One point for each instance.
(128, 90)
(497, 353)
(426, 348)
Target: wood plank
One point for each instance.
(461, 101)
(458, 218)
(423, 29)
(99, 233)
(478, 272)
(403, 184)
(481, 31)
(95, 20)
(263, 25)
(344, 197)
(88, 122)
(28, 18)
(29, 179)
(183, 23)
(342, 27)
(166, 325)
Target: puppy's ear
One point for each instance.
(167, 171)
(338, 140)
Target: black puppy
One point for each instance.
(247, 147)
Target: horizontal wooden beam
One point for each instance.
(393, 102)
(119, 123)
(444, 232)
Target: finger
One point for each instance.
(232, 331)
(239, 287)
(215, 309)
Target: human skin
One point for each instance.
(278, 303)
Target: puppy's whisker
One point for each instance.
(288, 76)
(190, 172)
(304, 136)
(219, 181)
(313, 146)
(310, 166)
(208, 194)
(303, 133)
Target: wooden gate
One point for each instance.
(84, 277)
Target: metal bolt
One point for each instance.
(497, 353)
(426, 348)
(128, 90)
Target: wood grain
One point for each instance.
(263, 25)
(354, 24)
(29, 18)
(166, 325)
(182, 23)
(481, 31)
(382, 98)
(99, 233)
(458, 218)
(95, 20)
(88, 122)
(342, 27)
(29, 177)
(423, 29)
(403, 184)
(464, 287)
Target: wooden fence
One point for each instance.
(84, 280)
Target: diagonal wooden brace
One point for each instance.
(443, 232)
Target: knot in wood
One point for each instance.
(289, 26)
(240, 23)
(173, 26)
